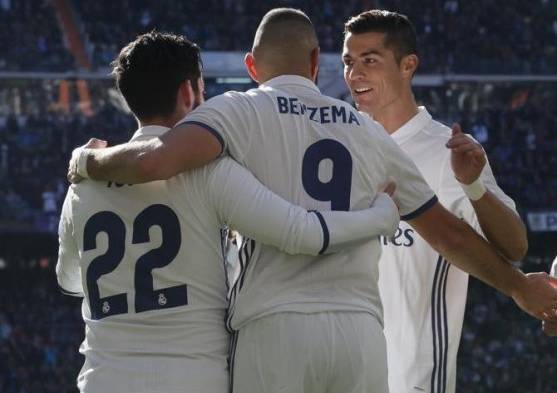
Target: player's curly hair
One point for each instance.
(150, 69)
(400, 35)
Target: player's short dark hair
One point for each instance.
(285, 34)
(281, 15)
(400, 35)
(150, 69)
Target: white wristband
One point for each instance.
(474, 190)
(82, 156)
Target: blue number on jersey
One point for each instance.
(145, 297)
(115, 229)
(338, 189)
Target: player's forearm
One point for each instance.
(473, 254)
(352, 228)
(502, 227)
(463, 247)
(133, 162)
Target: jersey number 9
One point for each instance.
(337, 189)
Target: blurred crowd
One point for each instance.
(456, 36)
(40, 332)
(30, 37)
(34, 153)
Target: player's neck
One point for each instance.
(161, 121)
(395, 116)
(275, 74)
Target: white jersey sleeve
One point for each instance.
(413, 195)
(68, 272)
(553, 271)
(452, 196)
(247, 205)
(227, 117)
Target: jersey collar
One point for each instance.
(149, 131)
(290, 80)
(412, 126)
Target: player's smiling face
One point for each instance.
(371, 72)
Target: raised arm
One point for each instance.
(463, 247)
(252, 209)
(501, 226)
(185, 147)
(68, 273)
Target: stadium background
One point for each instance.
(490, 64)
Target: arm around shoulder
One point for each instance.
(185, 147)
(256, 212)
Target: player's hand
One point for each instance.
(93, 143)
(537, 296)
(549, 328)
(467, 156)
(389, 188)
(385, 203)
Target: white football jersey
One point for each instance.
(148, 259)
(423, 295)
(553, 271)
(319, 153)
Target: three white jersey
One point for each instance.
(148, 259)
(423, 295)
(319, 153)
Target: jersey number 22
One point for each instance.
(146, 298)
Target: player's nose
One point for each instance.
(356, 73)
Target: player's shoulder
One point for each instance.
(436, 130)
(218, 170)
(372, 127)
(222, 101)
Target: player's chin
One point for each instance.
(364, 106)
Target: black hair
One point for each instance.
(150, 69)
(400, 35)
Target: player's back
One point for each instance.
(320, 153)
(154, 284)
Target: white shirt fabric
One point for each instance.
(149, 261)
(320, 153)
(423, 295)
(553, 271)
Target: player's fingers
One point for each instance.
(466, 148)
(459, 140)
(549, 328)
(95, 143)
(456, 129)
(390, 188)
(476, 154)
(74, 178)
(550, 316)
(553, 281)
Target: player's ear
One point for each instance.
(186, 94)
(314, 61)
(409, 65)
(249, 61)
